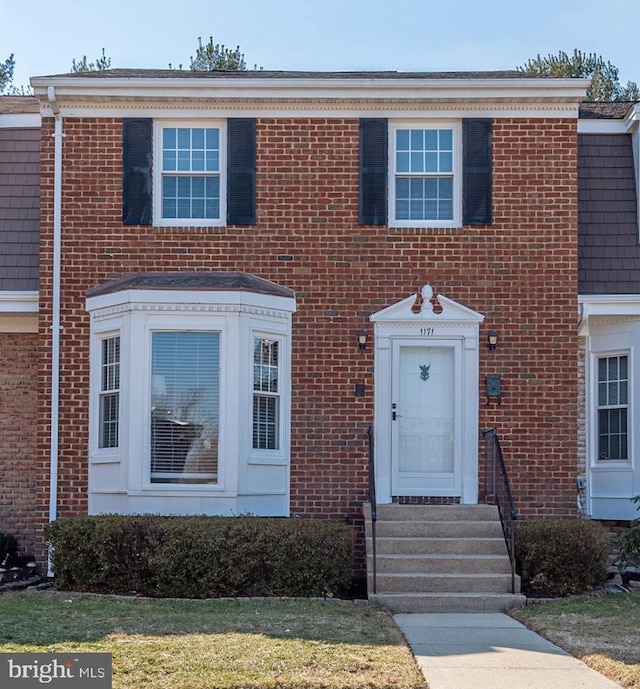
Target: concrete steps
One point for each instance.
(444, 558)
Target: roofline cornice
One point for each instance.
(15, 302)
(376, 88)
(392, 109)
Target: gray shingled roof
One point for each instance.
(608, 247)
(19, 208)
(270, 74)
(604, 111)
(192, 280)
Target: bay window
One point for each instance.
(190, 403)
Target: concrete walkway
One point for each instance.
(491, 651)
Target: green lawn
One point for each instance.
(258, 644)
(603, 632)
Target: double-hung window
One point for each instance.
(109, 395)
(613, 407)
(190, 164)
(266, 394)
(424, 185)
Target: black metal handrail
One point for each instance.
(496, 486)
(372, 504)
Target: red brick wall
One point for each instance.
(21, 513)
(520, 272)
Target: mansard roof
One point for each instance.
(19, 196)
(608, 242)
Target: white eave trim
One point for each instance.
(144, 88)
(602, 127)
(25, 120)
(18, 302)
(593, 305)
(632, 118)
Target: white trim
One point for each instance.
(632, 118)
(20, 120)
(602, 127)
(316, 108)
(606, 305)
(19, 302)
(456, 174)
(309, 88)
(158, 127)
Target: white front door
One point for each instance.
(426, 400)
(426, 418)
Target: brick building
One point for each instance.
(240, 273)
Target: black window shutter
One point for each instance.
(476, 180)
(241, 171)
(136, 168)
(373, 171)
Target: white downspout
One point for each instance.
(58, 136)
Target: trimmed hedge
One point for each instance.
(558, 557)
(201, 557)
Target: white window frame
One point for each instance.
(182, 326)
(158, 128)
(596, 462)
(102, 332)
(109, 392)
(278, 455)
(456, 127)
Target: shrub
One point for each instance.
(558, 557)
(201, 557)
(629, 542)
(8, 547)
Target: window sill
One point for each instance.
(403, 231)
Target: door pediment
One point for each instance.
(405, 311)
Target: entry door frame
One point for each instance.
(427, 327)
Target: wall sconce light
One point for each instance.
(492, 339)
(362, 340)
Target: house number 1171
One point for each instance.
(426, 332)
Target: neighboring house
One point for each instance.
(609, 298)
(213, 246)
(21, 500)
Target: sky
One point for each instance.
(317, 35)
